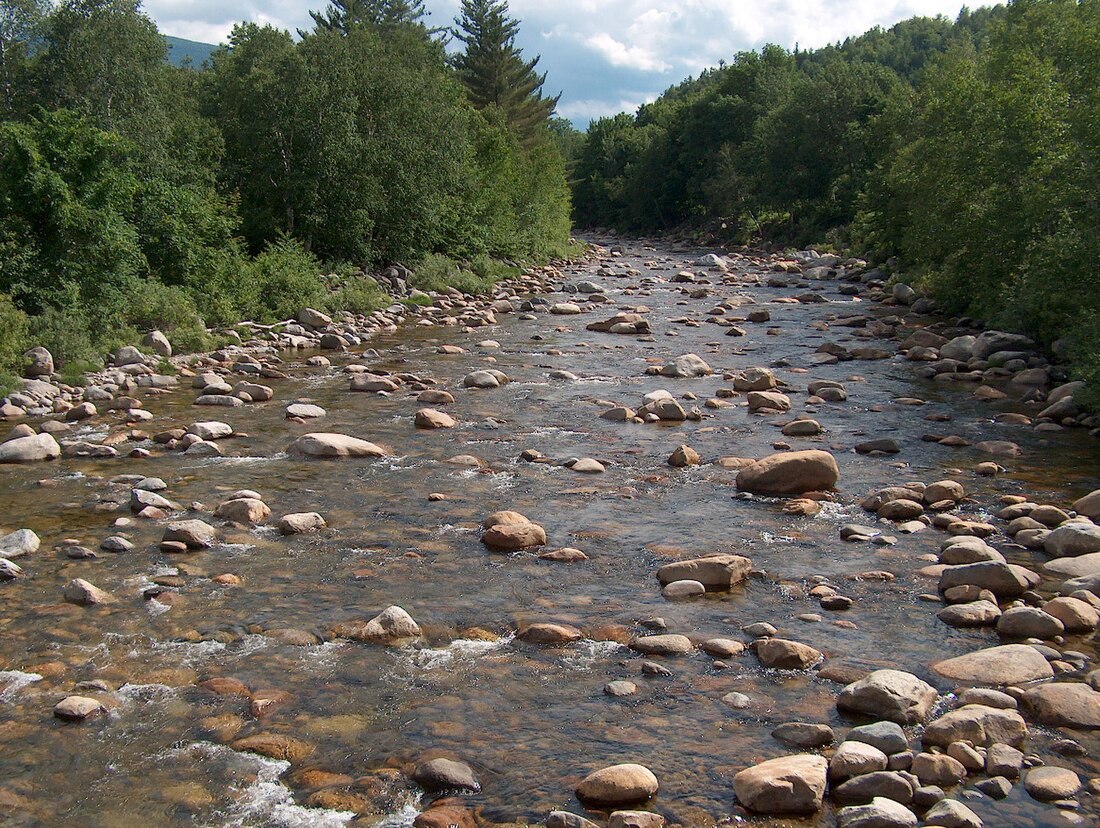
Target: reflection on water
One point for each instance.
(531, 721)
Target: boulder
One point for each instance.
(618, 785)
(1050, 783)
(511, 531)
(686, 366)
(81, 592)
(300, 523)
(719, 572)
(550, 634)
(30, 449)
(1008, 664)
(430, 418)
(1072, 539)
(889, 694)
(335, 445)
(195, 534)
(391, 625)
(19, 543)
(978, 724)
(78, 708)
(1064, 704)
(245, 510)
(39, 363)
(1028, 622)
(790, 473)
(787, 785)
(438, 775)
(879, 813)
(1002, 579)
(787, 655)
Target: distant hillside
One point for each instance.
(179, 50)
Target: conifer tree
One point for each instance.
(493, 70)
(344, 15)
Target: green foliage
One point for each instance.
(67, 335)
(13, 332)
(358, 294)
(283, 279)
(439, 273)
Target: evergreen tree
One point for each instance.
(493, 70)
(344, 15)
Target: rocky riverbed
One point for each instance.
(659, 537)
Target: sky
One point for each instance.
(604, 56)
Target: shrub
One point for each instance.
(13, 333)
(286, 278)
(357, 294)
(155, 305)
(67, 334)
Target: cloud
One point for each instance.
(604, 54)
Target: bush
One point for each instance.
(67, 334)
(13, 333)
(169, 309)
(357, 294)
(286, 279)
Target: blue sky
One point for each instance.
(605, 56)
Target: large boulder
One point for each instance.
(1065, 704)
(510, 531)
(335, 445)
(1002, 579)
(787, 785)
(30, 449)
(195, 534)
(790, 473)
(889, 694)
(976, 723)
(445, 775)
(714, 572)
(618, 785)
(390, 626)
(1072, 539)
(1089, 505)
(39, 363)
(1000, 666)
(688, 365)
(880, 812)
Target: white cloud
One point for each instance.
(589, 110)
(630, 57)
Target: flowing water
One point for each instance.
(531, 721)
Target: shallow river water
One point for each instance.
(531, 721)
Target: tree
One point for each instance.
(20, 21)
(344, 15)
(493, 70)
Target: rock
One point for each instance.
(618, 785)
(438, 775)
(754, 379)
(511, 531)
(19, 543)
(1089, 505)
(254, 392)
(886, 736)
(1076, 615)
(683, 589)
(972, 614)
(787, 785)
(790, 473)
(244, 510)
(1071, 539)
(158, 343)
(1003, 760)
(684, 456)
(564, 819)
(440, 814)
(688, 365)
(390, 626)
(768, 401)
(722, 648)
(938, 769)
(39, 363)
(719, 572)
(860, 790)
(1003, 580)
(855, 759)
(586, 465)
(30, 449)
(78, 708)
(943, 490)
(1028, 622)
(1050, 783)
(889, 694)
(481, 379)
(1008, 664)
(550, 634)
(880, 813)
(222, 400)
(373, 384)
(313, 318)
(662, 644)
(566, 554)
(195, 534)
(1064, 704)
(275, 746)
(85, 594)
(803, 735)
(305, 411)
(9, 571)
(635, 819)
(950, 813)
(881, 446)
(300, 523)
(335, 445)
(620, 688)
(787, 655)
(977, 724)
(430, 418)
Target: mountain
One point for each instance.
(179, 50)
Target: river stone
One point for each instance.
(662, 644)
(686, 366)
(19, 543)
(1077, 567)
(787, 785)
(769, 401)
(275, 746)
(937, 769)
(1003, 580)
(715, 572)
(39, 363)
(1072, 539)
(755, 379)
(683, 457)
(1076, 615)
(514, 535)
(1050, 783)
(305, 411)
(391, 625)
(1064, 704)
(978, 724)
(78, 708)
(790, 473)
(855, 759)
(587, 465)
(480, 379)
(551, 634)
(373, 383)
(300, 523)
(9, 571)
(880, 813)
(787, 655)
(30, 449)
(79, 591)
(973, 614)
(222, 400)
(950, 813)
(1089, 505)
(722, 648)
(255, 392)
(618, 785)
(860, 790)
(210, 430)
(1028, 622)
(245, 510)
(430, 418)
(326, 445)
(635, 819)
(196, 534)
(313, 318)
(438, 775)
(1005, 665)
(683, 589)
(889, 694)
(803, 734)
(886, 736)
(564, 819)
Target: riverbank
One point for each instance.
(527, 652)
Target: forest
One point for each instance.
(963, 156)
(137, 195)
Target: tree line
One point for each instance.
(966, 154)
(135, 194)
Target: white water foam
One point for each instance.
(14, 681)
(460, 650)
(585, 654)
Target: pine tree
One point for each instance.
(493, 70)
(344, 15)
